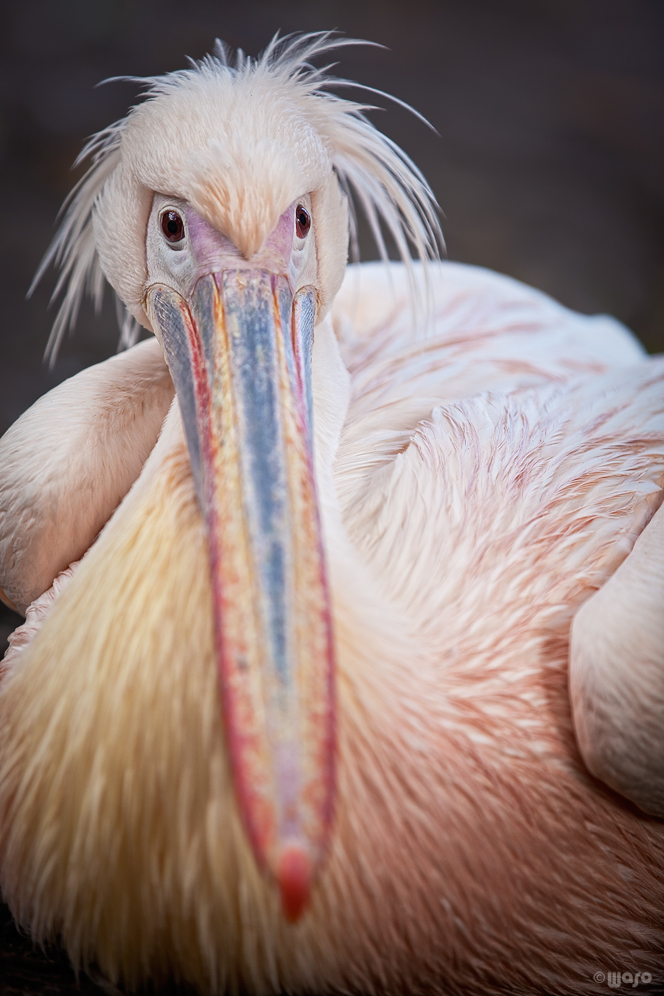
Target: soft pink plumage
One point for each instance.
(480, 474)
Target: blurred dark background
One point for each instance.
(548, 165)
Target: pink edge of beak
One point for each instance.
(240, 355)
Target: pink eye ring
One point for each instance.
(172, 226)
(302, 222)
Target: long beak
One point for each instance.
(240, 355)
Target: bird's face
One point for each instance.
(238, 336)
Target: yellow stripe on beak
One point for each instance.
(240, 356)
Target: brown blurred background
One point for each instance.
(549, 162)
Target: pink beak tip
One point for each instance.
(294, 877)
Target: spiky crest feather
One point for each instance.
(372, 170)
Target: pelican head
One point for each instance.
(216, 212)
(236, 324)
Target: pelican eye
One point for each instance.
(172, 226)
(302, 222)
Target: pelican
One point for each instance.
(342, 663)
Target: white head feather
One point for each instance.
(240, 142)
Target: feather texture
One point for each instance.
(472, 851)
(324, 133)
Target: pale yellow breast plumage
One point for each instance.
(461, 540)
